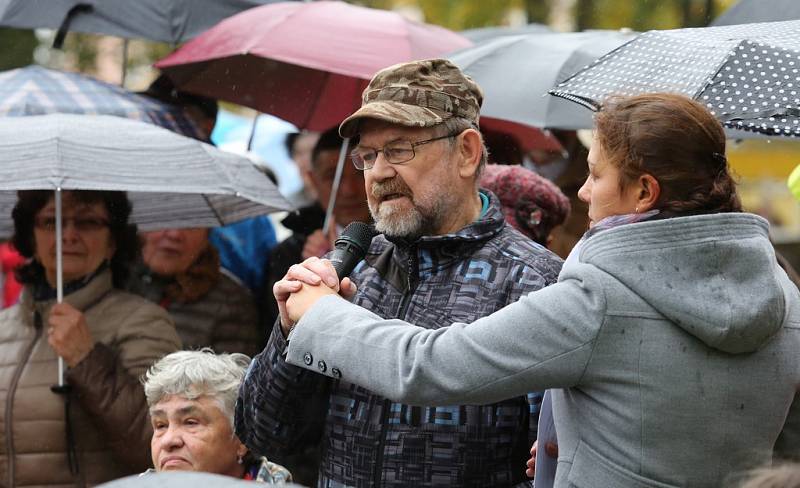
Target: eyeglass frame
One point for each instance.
(47, 223)
(354, 155)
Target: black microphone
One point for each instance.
(351, 247)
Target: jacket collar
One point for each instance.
(81, 299)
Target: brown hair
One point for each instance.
(678, 142)
(119, 208)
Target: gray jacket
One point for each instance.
(675, 343)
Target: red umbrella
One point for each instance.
(306, 62)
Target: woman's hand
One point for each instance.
(313, 272)
(531, 464)
(299, 302)
(68, 334)
(318, 244)
(550, 448)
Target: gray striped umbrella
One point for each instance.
(171, 180)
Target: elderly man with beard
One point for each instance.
(444, 255)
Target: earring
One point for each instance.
(636, 210)
(240, 459)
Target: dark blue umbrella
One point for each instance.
(35, 90)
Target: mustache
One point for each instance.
(380, 189)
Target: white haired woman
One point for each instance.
(192, 395)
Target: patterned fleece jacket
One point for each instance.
(368, 440)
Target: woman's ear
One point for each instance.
(471, 150)
(241, 451)
(649, 192)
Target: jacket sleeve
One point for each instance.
(281, 408)
(107, 385)
(788, 444)
(542, 341)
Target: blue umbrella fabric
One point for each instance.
(748, 75)
(35, 90)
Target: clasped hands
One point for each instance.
(303, 285)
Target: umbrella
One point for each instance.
(305, 62)
(181, 479)
(172, 21)
(171, 180)
(292, 60)
(748, 75)
(749, 11)
(516, 72)
(485, 33)
(35, 90)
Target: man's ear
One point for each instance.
(471, 150)
(649, 192)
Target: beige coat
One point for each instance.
(108, 409)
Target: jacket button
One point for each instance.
(308, 359)
(322, 366)
(336, 373)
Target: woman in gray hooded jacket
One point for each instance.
(671, 338)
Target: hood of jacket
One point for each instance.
(714, 275)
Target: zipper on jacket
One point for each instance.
(12, 390)
(401, 314)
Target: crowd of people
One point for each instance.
(659, 341)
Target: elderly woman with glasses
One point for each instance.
(192, 396)
(95, 429)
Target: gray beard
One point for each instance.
(408, 224)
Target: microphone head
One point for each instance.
(358, 234)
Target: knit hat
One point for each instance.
(531, 204)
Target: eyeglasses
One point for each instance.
(81, 224)
(396, 152)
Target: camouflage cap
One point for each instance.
(417, 94)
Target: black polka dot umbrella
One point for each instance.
(748, 75)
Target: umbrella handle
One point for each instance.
(59, 271)
(80, 8)
(335, 187)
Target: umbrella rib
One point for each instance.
(710, 80)
(213, 209)
(586, 102)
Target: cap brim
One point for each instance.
(394, 113)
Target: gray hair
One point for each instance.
(457, 125)
(192, 374)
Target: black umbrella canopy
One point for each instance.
(172, 21)
(749, 11)
(748, 75)
(515, 73)
(485, 33)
